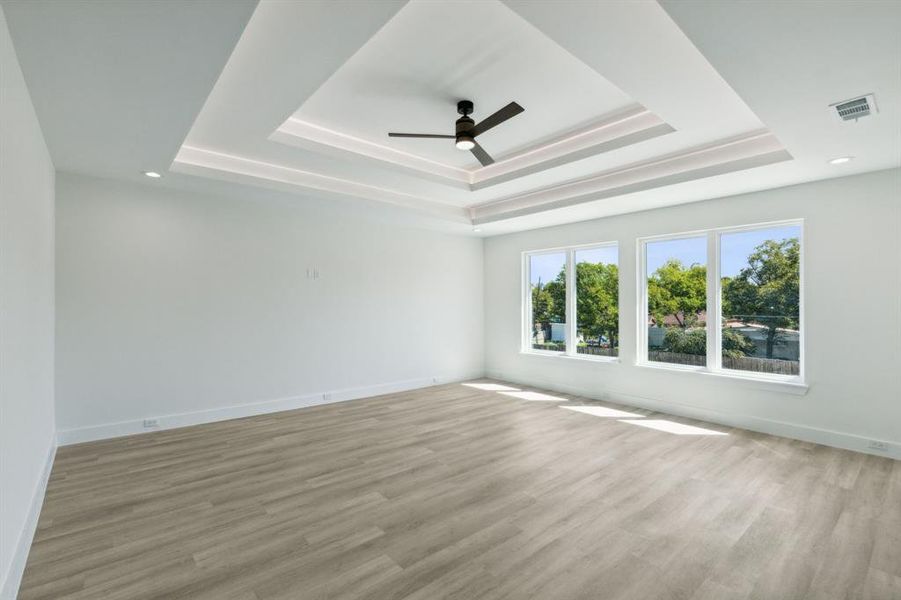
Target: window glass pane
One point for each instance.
(547, 276)
(597, 301)
(677, 301)
(761, 297)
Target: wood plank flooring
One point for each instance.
(464, 493)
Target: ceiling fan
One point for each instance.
(468, 130)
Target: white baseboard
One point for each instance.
(104, 431)
(836, 439)
(9, 589)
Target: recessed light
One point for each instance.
(841, 160)
(152, 174)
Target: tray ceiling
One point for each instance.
(410, 74)
(614, 95)
(629, 105)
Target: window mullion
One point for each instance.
(714, 310)
(526, 325)
(642, 291)
(570, 303)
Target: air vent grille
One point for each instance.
(851, 110)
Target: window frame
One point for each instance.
(642, 295)
(571, 350)
(714, 303)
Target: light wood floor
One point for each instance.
(456, 492)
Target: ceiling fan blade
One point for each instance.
(483, 156)
(508, 112)
(423, 135)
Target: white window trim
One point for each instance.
(571, 351)
(749, 379)
(714, 308)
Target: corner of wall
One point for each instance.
(10, 585)
(27, 192)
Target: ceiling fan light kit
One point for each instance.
(465, 142)
(467, 130)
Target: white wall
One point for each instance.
(172, 302)
(27, 439)
(853, 314)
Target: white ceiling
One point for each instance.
(696, 99)
(116, 85)
(658, 70)
(409, 76)
(790, 60)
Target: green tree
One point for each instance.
(597, 300)
(678, 291)
(767, 291)
(694, 341)
(597, 295)
(736, 344)
(542, 303)
(557, 290)
(685, 341)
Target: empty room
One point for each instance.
(450, 299)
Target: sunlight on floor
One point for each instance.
(492, 387)
(672, 427)
(535, 396)
(622, 416)
(603, 411)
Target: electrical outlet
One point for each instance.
(148, 423)
(877, 445)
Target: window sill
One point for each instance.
(775, 383)
(580, 357)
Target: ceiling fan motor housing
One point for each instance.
(464, 126)
(467, 129)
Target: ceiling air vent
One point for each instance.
(849, 110)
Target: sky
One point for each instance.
(547, 266)
(735, 248)
(689, 251)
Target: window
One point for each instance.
(547, 299)
(597, 301)
(572, 301)
(760, 287)
(676, 301)
(725, 300)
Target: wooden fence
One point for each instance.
(597, 351)
(677, 358)
(592, 350)
(750, 364)
(745, 363)
(763, 365)
(554, 347)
